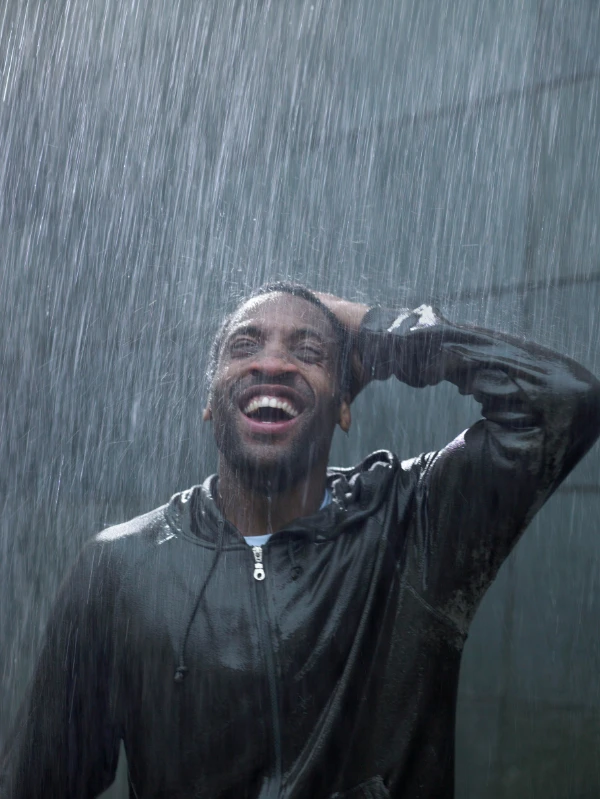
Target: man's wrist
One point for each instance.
(383, 320)
(372, 321)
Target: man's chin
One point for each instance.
(271, 466)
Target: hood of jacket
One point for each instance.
(356, 493)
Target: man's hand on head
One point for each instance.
(350, 314)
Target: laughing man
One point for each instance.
(288, 629)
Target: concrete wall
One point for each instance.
(157, 162)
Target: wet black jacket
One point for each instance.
(335, 675)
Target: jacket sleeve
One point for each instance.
(65, 742)
(541, 414)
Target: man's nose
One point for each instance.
(273, 362)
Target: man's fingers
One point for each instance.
(350, 314)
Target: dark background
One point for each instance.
(158, 160)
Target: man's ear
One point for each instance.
(207, 414)
(345, 419)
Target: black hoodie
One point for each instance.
(335, 675)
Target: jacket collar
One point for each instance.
(356, 492)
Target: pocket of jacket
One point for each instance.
(371, 789)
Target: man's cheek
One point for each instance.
(220, 404)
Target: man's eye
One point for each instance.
(309, 353)
(243, 346)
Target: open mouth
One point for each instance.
(270, 410)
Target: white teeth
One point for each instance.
(270, 402)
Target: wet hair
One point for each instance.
(342, 337)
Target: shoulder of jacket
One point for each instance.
(111, 554)
(420, 463)
(146, 531)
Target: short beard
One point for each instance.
(268, 478)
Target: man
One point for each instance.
(320, 656)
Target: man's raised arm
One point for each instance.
(541, 410)
(541, 414)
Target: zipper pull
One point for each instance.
(259, 569)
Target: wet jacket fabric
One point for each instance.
(336, 675)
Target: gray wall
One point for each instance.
(159, 160)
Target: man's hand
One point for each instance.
(350, 314)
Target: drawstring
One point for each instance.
(182, 669)
(296, 570)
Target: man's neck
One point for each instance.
(255, 513)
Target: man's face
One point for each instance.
(275, 397)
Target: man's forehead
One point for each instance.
(282, 310)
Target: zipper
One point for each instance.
(259, 569)
(271, 789)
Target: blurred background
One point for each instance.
(159, 160)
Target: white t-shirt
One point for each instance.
(261, 540)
